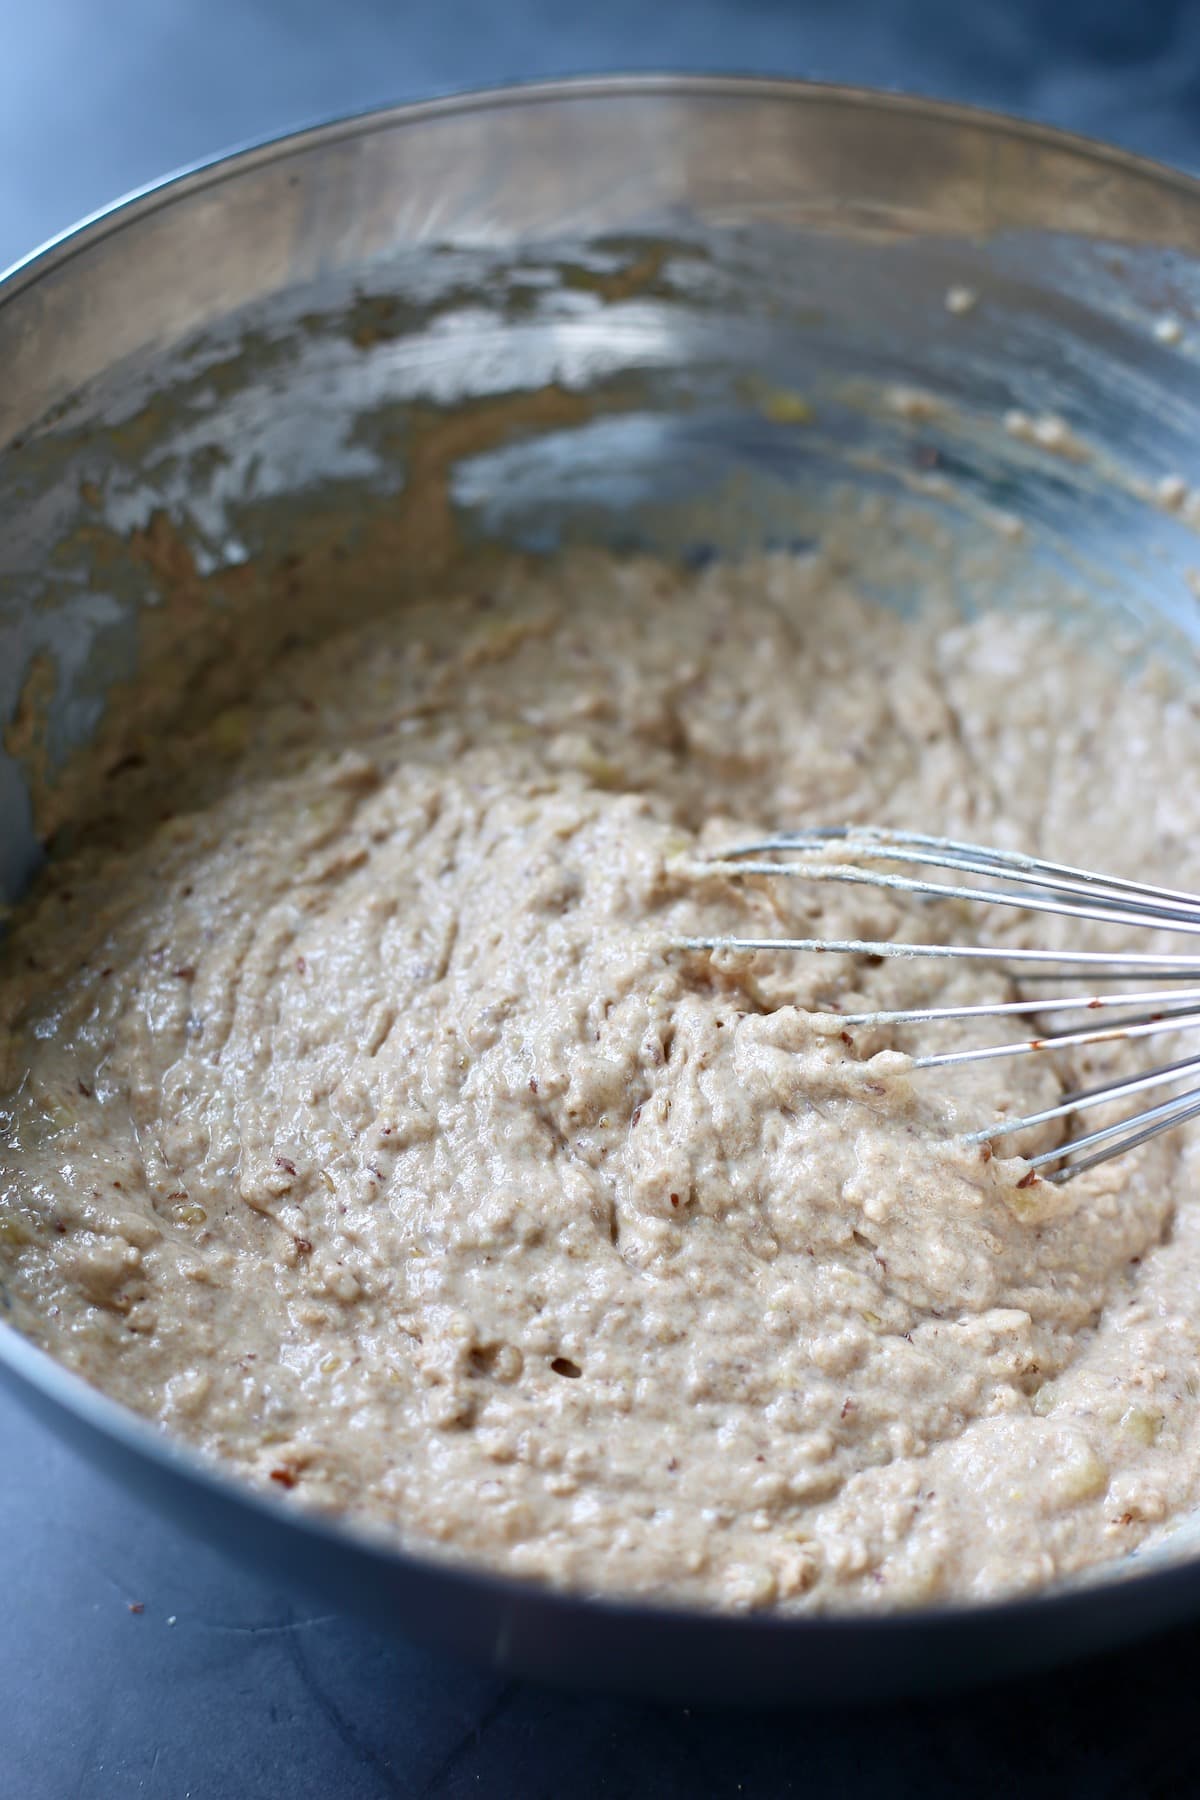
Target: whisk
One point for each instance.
(1008, 878)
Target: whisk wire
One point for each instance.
(873, 839)
(1034, 885)
(1088, 1098)
(1097, 907)
(1151, 1122)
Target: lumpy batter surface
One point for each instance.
(364, 1129)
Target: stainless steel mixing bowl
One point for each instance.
(680, 312)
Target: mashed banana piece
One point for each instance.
(365, 1129)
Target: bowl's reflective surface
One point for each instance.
(689, 315)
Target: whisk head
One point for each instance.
(854, 853)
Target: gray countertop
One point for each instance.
(133, 1661)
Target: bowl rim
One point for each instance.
(110, 1419)
(27, 1365)
(222, 165)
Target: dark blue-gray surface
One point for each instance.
(252, 1694)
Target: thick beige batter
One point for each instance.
(363, 1129)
